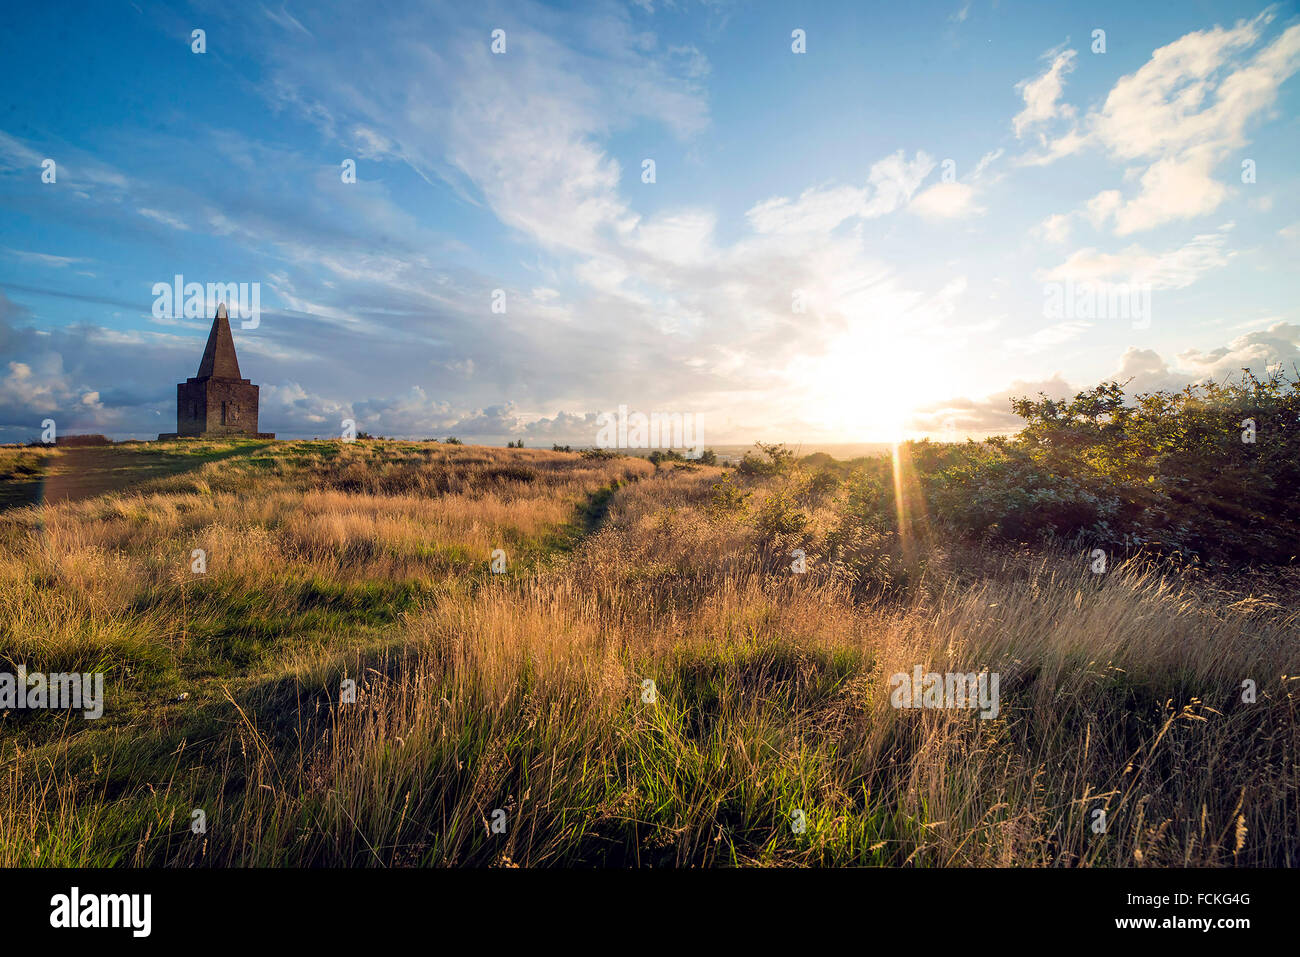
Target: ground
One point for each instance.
(647, 682)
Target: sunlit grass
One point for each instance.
(523, 692)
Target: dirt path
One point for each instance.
(77, 473)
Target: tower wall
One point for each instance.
(191, 408)
(216, 407)
(231, 407)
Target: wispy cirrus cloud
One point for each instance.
(1171, 269)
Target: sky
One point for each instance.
(865, 222)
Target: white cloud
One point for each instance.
(1102, 207)
(46, 259)
(1181, 114)
(1278, 345)
(1048, 338)
(694, 64)
(1042, 94)
(1055, 228)
(1190, 92)
(1176, 187)
(946, 201)
(48, 390)
(1173, 269)
(372, 144)
(890, 184)
(684, 237)
(167, 219)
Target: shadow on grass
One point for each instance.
(84, 472)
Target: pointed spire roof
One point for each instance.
(219, 361)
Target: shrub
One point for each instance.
(665, 455)
(728, 497)
(1174, 472)
(770, 460)
(818, 488)
(780, 515)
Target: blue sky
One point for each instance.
(800, 269)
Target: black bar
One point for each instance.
(331, 907)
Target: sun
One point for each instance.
(868, 384)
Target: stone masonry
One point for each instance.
(217, 402)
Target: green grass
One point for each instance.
(522, 691)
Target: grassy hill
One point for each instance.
(523, 699)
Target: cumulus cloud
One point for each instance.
(1274, 347)
(83, 379)
(1181, 115)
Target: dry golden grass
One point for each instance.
(523, 692)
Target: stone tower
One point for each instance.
(217, 402)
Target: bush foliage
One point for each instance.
(1211, 473)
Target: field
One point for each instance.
(648, 682)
